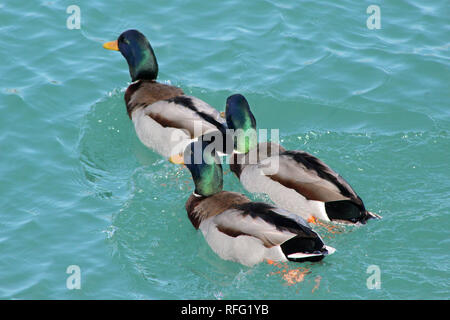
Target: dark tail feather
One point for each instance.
(313, 246)
(347, 210)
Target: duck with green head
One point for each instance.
(238, 229)
(302, 183)
(165, 119)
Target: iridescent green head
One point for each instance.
(241, 120)
(204, 165)
(139, 54)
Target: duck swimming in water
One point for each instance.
(238, 229)
(165, 119)
(302, 183)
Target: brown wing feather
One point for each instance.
(144, 93)
(201, 208)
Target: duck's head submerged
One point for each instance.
(139, 54)
(240, 118)
(204, 165)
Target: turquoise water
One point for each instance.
(78, 188)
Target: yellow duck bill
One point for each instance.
(111, 45)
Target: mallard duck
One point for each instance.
(165, 119)
(238, 229)
(294, 180)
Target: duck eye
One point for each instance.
(122, 39)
